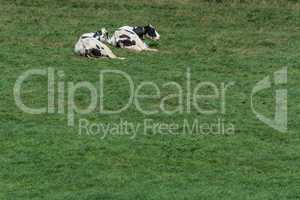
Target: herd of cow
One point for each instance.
(94, 45)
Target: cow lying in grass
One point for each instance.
(91, 45)
(133, 37)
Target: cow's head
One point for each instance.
(151, 32)
(102, 35)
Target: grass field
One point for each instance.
(41, 157)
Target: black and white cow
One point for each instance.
(133, 37)
(92, 45)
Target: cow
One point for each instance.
(92, 45)
(133, 37)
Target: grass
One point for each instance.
(220, 41)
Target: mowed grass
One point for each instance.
(219, 41)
